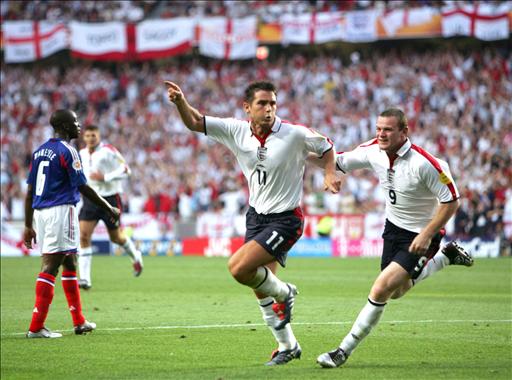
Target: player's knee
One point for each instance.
(380, 293)
(400, 292)
(237, 271)
(117, 240)
(50, 269)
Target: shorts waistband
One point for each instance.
(295, 212)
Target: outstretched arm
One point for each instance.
(192, 118)
(314, 159)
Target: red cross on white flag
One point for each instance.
(27, 41)
(225, 38)
(484, 22)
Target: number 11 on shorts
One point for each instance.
(272, 238)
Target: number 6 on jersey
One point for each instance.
(41, 177)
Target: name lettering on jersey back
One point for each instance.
(45, 153)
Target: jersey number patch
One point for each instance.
(392, 197)
(262, 177)
(275, 235)
(41, 177)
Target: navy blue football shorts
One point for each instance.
(91, 212)
(277, 233)
(396, 248)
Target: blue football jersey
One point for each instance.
(55, 174)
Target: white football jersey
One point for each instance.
(107, 160)
(415, 182)
(274, 168)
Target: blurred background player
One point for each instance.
(55, 179)
(421, 198)
(272, 154)
(105, 169)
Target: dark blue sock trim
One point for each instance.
(265, 279)
(377, 303)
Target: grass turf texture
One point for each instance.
(186, 318)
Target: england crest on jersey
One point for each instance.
(261, 153)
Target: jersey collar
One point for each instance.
(277, 124)
(275, 127)
(95, 148)
(404, 148)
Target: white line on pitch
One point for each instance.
(237, 325)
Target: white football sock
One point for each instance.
(84, 264)
(267, 283)
(366, 320)
(131, 250)
(284, 337)
(435, 264)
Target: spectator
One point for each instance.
(467, 94)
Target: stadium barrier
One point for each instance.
(352, 236)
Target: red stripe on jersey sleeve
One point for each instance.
(436, 165)
(111, 147)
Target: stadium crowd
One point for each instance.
(458, 107)
(137, 10)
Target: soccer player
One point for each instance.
(54, 182)
(421, 198)
(105, 169)
(272, 155)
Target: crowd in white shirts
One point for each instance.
(137, 10)
(458, 105)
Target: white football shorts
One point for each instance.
(57, 229)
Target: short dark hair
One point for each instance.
(399, 114)
(258, 86)
(91, 127)
(60, 118)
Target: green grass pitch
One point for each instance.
(186, 318)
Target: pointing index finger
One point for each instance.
(170, 84)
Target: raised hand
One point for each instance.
(174, 91)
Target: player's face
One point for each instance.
(73, 126)
(389, 137)
(262, 109)
(92, 138)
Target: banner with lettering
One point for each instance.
(361, 26)
(163, 38)
(211, 247)
(27, 41)
(483, 21)
(102, 41)
(226, 38)
(311, 28)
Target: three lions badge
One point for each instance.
(261, 153)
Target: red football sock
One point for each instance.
(45, 284)
(72, 292)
